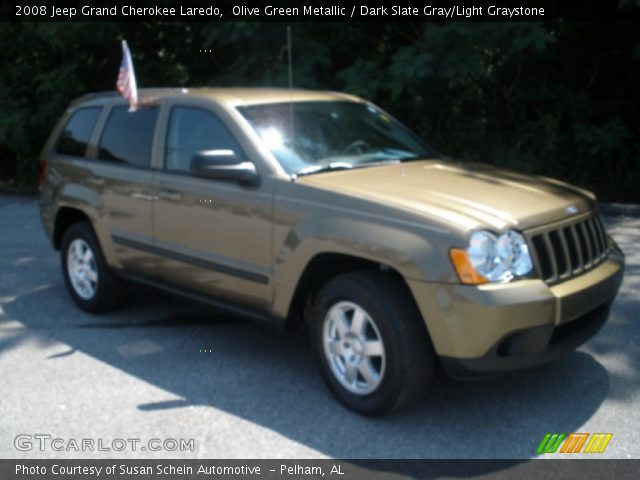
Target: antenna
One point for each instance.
(290, 55)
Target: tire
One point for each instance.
(90, 281)
(392, 354)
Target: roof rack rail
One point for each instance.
(105, 93)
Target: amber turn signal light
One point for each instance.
(464, 269)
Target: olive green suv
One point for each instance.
(295, 206)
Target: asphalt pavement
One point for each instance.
(162, 368)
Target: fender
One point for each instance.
(410, 253)
(89, 202)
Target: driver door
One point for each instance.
(210, 236)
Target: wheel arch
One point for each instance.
(323, 267)
(65, 217)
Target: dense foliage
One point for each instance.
(560, 99)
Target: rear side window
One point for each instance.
(75, 136)
(128, 136)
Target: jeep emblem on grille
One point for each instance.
(571, 210)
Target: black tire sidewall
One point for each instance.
(381, 311)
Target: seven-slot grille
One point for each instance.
(569, 249)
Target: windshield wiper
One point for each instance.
(311, 169)
(413, 158)
(322, 168)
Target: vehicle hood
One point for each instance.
(471, 195)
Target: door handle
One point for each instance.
(96, 181)
(142, 196)
(171, 195)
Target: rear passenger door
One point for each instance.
(211, 236)
(122, 175)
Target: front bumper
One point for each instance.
(488, 329)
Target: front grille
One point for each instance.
(569, 249)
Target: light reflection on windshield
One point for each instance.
(329, 135)
(272, 137)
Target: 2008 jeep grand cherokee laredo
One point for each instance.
(292, 205)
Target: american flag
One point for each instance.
(126, 83)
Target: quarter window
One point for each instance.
(192, 130)
(128, 136)
(75, 136)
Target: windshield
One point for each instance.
(308, 137)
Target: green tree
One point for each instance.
(552, 98)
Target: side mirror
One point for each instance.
(224, 165)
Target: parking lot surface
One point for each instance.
(161, 368)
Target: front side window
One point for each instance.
(193, 130)
(75, 135)
(312, 136)
(128, 136)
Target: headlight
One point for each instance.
(491, 258)
(513, 252)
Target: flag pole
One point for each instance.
(126, 83)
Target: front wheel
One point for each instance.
(370, 342)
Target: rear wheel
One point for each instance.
(89, 280)
(370, 342)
